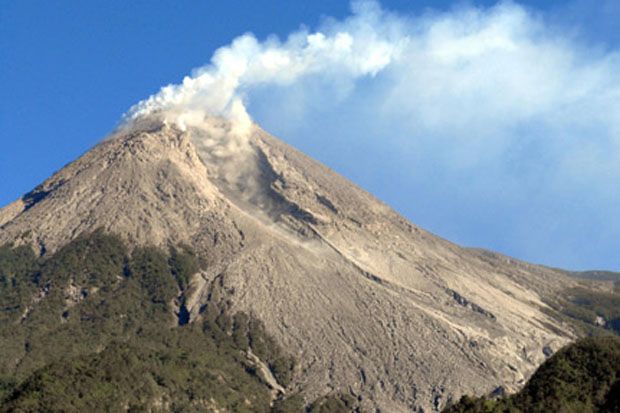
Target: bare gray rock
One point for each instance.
(369, 304)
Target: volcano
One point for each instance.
(368, 304)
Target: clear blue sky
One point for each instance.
(70, 69)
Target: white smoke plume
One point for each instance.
(491, 116)
(351, 49)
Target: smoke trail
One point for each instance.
(351, 49)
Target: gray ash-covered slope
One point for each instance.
(368, 303)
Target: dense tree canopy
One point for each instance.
(94, 328)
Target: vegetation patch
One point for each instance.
(93, 328)
(591, 312)
(584, 377)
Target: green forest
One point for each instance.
(92, 328)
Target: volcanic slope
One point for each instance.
(369, 304)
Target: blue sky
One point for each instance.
(513, 150)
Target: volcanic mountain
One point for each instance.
(368, 304)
